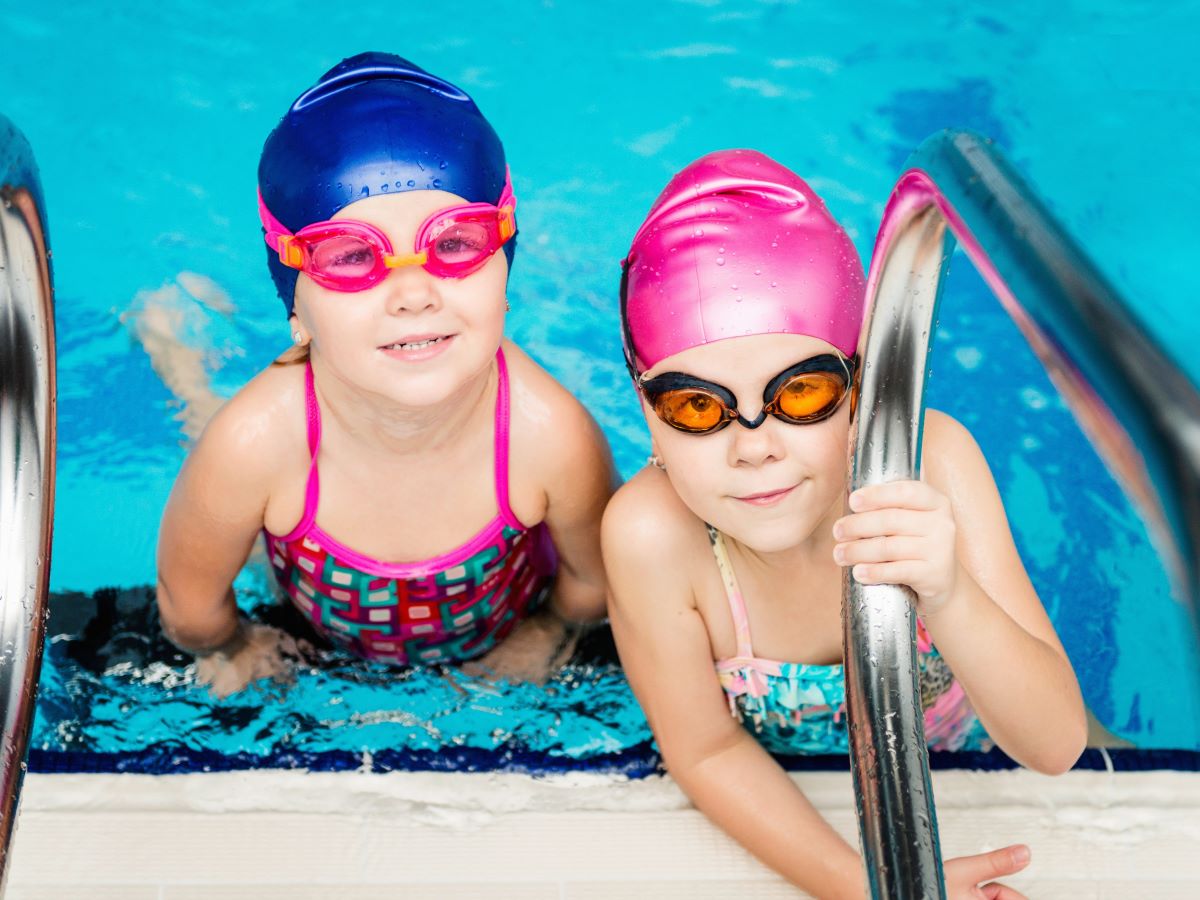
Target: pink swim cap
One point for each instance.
(737, 244)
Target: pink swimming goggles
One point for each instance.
(347, 255)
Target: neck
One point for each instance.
(380, 424)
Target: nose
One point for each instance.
(755, 446)
(411, 289)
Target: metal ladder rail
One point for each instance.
(1136, 406)
(27, 442)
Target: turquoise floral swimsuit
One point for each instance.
(797, 708)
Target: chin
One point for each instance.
(758, 533)
(769, 537)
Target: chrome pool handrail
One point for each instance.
(27, 441)
(1134, 403)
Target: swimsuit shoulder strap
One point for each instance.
(500, 441)
(737, 604)
(312, 410)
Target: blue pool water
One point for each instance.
(147, 120)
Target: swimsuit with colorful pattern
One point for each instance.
(454, 607)
(796, 708)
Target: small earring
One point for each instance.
(297, 338)
(507, 306)
(656, 461)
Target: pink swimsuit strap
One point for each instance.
(505, 516)
(733, 593)
(741, 619)
(770, 695)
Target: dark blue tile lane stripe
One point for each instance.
(637, 762)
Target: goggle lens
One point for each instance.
(690, 409)
(343, 258)
(459, 244)
(809, 396)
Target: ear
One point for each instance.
(655, 458)
(300, 335)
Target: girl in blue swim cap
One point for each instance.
(426, 492)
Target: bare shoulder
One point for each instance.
(252, 445)
(556, 446)
(544, 408)
(943, 430)
(948, 446)
(648, 535)
(952, 462)
(256, 429)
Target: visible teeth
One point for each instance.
(415, 345)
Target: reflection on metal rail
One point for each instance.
(27, 398)
(1137, 407)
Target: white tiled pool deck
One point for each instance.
(402, 836)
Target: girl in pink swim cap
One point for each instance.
(741, 306)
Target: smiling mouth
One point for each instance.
(416, 345)
(767, 498)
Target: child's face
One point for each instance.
(718, 475)
(413, 337)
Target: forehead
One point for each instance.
(398, 211)
(749, 360)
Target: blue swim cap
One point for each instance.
(374, 124)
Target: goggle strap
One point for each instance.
(507, 208)
(507, 198)
(273, 227)
(506, 223)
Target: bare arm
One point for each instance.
(665, 650)
(948, 539)
(580, 480)
(995, 634)
(214, 513)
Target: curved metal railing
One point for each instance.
(27, 423)
(1137, 407)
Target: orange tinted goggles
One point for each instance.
(807, 392)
